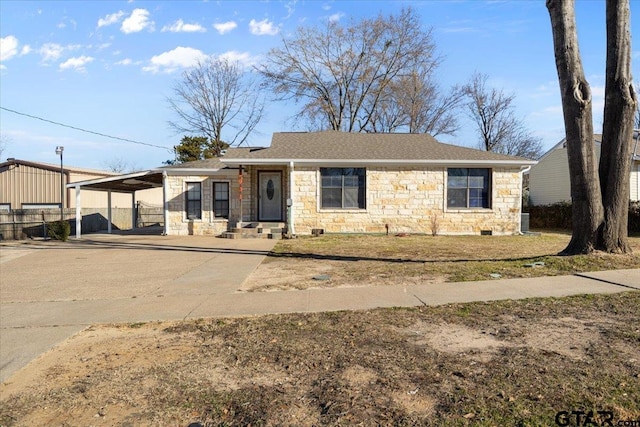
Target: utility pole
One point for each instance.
(59, 150)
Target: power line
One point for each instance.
(87, 131)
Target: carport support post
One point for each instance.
(165, 202)
(109, 211)
(78, 214)
(133, 210)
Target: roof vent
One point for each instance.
(11, 159)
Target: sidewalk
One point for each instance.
(207, 287)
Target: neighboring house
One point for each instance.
(34, 185)
(549, 179)
(348, 183)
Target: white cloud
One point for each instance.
(225, 27)
(291, 8)
(173, 60)
(336, 17)
(110, 19)
(8, 47)
(77, 63)
(26, 49)
(243, 58)
(136, 22)
(180, 27)
(125, 62)
(263, 28)
(51, 51)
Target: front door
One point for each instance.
(270, 196)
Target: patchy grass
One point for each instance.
(509, 363)
(363, 260)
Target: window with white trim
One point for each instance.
(194, 200)
(343, 188)
(221, 200)
(468, 188)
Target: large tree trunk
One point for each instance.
(576, 106)
(617, 133)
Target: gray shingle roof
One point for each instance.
(334, 145)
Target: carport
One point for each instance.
(128, 183)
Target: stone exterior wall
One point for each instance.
(408, 200)
(178, 224)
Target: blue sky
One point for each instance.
(108, 66)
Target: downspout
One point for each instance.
(240, 190)
(523, 170)
(290, 222)
(165, 204)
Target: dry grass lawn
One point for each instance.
(365, 260)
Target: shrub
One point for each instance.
(634, 217)
(558, 215)
(59, 230)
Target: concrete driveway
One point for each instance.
(52, 290)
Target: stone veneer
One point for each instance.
(408, 200)
(208, 224)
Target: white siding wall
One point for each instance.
(549, 179)
(635, 181)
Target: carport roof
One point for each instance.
(127, 183)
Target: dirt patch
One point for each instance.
(457, 339)
(501, 363)
(285, 274)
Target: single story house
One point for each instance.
(339, 182)
(549, 179)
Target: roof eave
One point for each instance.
(192, 171)
(403, 162)
(110, 178)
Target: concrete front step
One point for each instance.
(256, 230)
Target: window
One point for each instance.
(41, 206)
(5, 207)
(194, 200)
(343, 188)
(221, 199)
(468, 188)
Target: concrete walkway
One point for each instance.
(50, 291)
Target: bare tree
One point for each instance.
(4, 142)
(617, 131)
(344, 75)
(500, 130)
(599, 222)
(414, 103)
(218, 99)
(119, 165)
(637, 118)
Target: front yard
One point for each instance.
(365, 260)
(508, 363)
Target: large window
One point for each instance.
(194, 200)
(343, 188)
(221, 199)
(468, 188)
